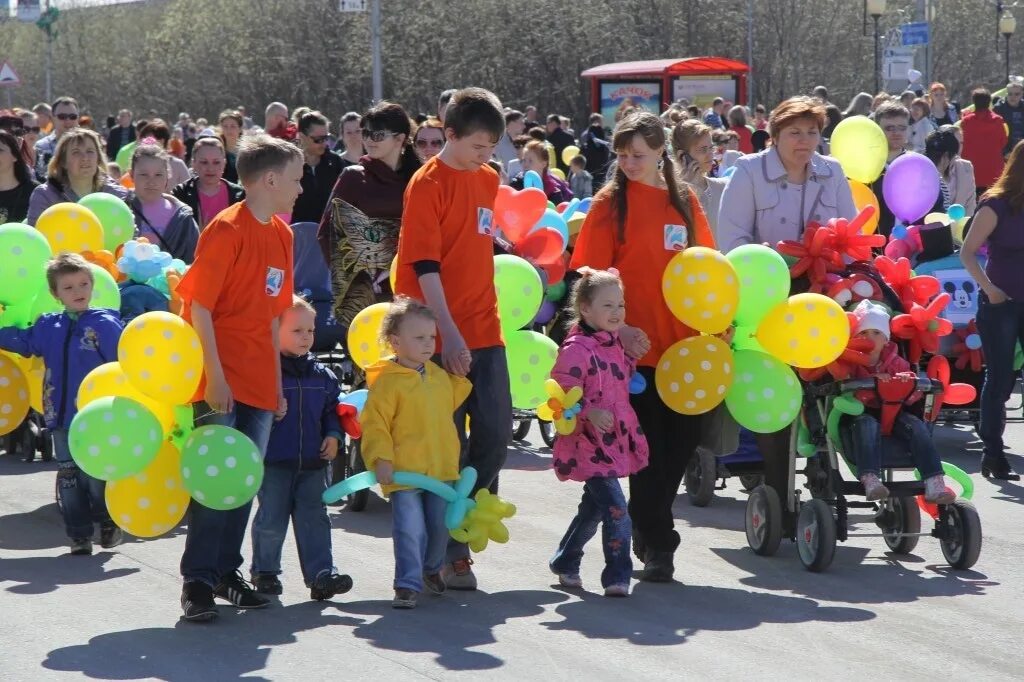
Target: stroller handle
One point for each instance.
(924, 385)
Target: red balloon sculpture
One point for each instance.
(922, 327)
(967, 348)
(952, 394)
(910, 289)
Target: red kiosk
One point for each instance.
(656, 83)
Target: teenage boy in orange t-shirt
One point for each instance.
(445, 258)
(238, 286)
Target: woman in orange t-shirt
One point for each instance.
(636, 224)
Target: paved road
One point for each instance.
(731, 615)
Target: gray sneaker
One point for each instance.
(873, 488)
(458, 575)
(435, 583)
(404, 599)
(81, 547)
(111, 536)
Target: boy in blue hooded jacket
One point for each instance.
(72, 344)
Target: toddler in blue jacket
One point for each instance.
(303, 441)
(72, 344)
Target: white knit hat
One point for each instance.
(871, 316)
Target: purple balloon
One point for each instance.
(546, 313)
(911, 187)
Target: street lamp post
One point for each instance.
(1007, 25)
(876, 8)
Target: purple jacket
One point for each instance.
(597, 362)
(47, 194)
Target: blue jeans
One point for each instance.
(489, 407)
(292, 493)
(213, 546)
(866, 440)
(419, 534)
(81, 496)
(1000, 327)
(603, 502)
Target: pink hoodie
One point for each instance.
(598, 363)
(889, 362)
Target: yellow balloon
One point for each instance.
(958, 230)
(35, 378)
(937, 217)
(569, 153)
(557, 172)
(694, 374)
(863, 196)
(13, 395)
(859, 145)
(153, 501)
(110, 380)
(701, 289)
(393, 273)
(161, 355)
(807, 330)
(364, 344)
(71, 227)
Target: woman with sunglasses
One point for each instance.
(429, 139)
(16, 182)
(320, 170)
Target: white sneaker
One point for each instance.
(936, 492)
(458, 575)
(873, 488)
(570, 580)
(618, 590)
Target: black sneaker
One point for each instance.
(197, 602)
(435, 583)
(328, 585)
(81, 547)
(404, 599)
(110, 536)
(658, 567)
(233, 588)
(266, 584)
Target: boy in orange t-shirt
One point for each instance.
(238, 286)
(445, 259)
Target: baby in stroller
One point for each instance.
(865, 431)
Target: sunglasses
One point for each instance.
(68, 117)
(378, 135)
(423, 144)
(33, 129)
(319, 139)
(895, 129)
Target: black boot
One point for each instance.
(998, 467)
(658, 567)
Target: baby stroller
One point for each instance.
(821, 521)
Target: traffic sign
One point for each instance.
(351, 5)
(8, 76)
(916, 33)
(897, 62)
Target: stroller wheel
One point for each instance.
(701, 474)
(962, 544)
(903, 516)
(520, 428)
(750, 481)
(547, 432)
(816, 535)
(763, 522)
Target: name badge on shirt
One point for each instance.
(675, 237)
(485, 221)
(275, 280)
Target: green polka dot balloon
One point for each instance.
(24, 252)
(105, 294)
(765, 394)
(114, 215)
(221, 467)
(114, 437)
(531, 356)
(519, 291)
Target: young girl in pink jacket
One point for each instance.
(608, 443)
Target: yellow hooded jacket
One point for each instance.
(408, 420)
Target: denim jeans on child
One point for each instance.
(1000, 327)
(213, 546)
(81, 496)
(603, 502)
(419, 534)
(866, 440)
(295, 494)
(489, 407)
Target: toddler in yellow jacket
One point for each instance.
(408, 425)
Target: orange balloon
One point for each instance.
(863, 196)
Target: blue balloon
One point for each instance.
(350, 485)
(570, 208)
(637, 383)
(899, 231)
(956, 212)
(727, 173)
(554, 220)
(356, 398)
(584, 205)
(532, 179)
(458, 499)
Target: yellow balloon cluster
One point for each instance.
(863, 196)
(71, 227)
(153, 501)
(162, 357)
(14, 395)
(111, 380)
(806, 330)
(701, 289)
(485, 521)
(694, 375)
(559, 407)
(364, 343)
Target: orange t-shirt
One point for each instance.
(447, 218)
(243, 274)
(651, 237)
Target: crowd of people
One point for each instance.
(420, 190)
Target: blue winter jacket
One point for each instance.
(71, 347)
(312, 392)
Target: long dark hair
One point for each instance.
(1010, 185)
(22, 173)
(392, 117)
(649, 127)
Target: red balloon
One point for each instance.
(930, 508)
(543, 245)
(517, 212)
(555, 270)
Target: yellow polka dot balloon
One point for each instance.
(153, 501)
(71, 227)
(364, 336)
(162, 357)
(14, 395)
(806, 330)
(694, 375)
(110, 380)
(701, 289)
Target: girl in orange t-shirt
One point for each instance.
(636, 224)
